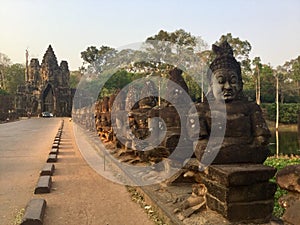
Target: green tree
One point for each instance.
(174, 46)
(268, 84)
(75, 78)
(94, 59)
(4, 63)
(241, 51)
(295, 73)
(14, 76)
(177, 49)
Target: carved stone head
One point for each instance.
(225, 74)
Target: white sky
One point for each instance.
(271, 26)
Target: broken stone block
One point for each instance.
(289, 178)
(254, 212)
(291, 214)
(243, 193)
(240, 192)
(240, 174)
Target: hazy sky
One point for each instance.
(271, 26)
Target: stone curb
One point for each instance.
(55, 145)
(35, 209)
(34, 212)
(44, 185)
(52, 158)
(54, 151)
(47, 170)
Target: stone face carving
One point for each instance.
(246, 133)
(46, 89)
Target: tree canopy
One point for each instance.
(11, 75)
(165, 50)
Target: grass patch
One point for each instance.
(138, 198)
(18, 217)
(279, 163)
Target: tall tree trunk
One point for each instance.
(258, 86)
(277, 116)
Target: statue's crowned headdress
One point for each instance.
(224, 59)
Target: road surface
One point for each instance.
(79, 195)
(24, 147)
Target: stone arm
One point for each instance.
(260, 129)
(199, 132)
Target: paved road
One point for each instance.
(24, 147)
(78, 195)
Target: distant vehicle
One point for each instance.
(47, 114)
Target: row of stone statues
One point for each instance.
(225, 114)
(225, 130)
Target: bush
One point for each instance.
(288, 112)
(280, 163)
(3, 92)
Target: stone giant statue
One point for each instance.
(245, 131)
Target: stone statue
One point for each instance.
(246, 133)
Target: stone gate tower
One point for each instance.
(46, 87)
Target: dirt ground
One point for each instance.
(80, 196)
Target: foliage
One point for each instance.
(280, 163)
(166, 50)
(241, 50)
(3, 92)
(4, 63)
(151, 211)
(74, 78)
(95, 58)
(194, 88)
(180, 39)
(118, 81)
(14, 76)
(288, 112)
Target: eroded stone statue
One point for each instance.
(245, 131)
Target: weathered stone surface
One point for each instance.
(46, 87)
(289, 178)
(287, 200)
(240, 174)
(34, 212)
(44, 185)
(47, 170)
(240, 192)
(241, 154)
(52, 158)
(254, 212)
(238, 123)
(291, 214)
(243, 193)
